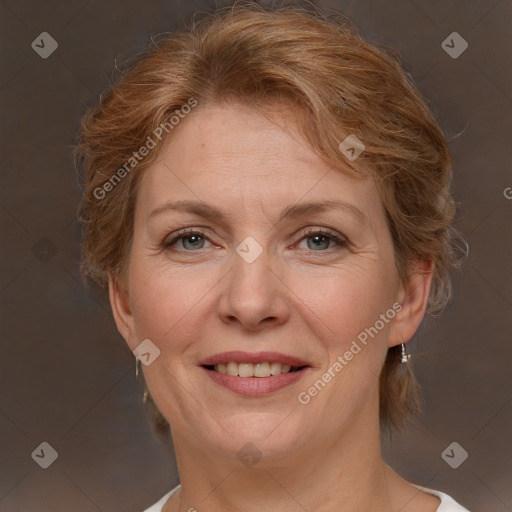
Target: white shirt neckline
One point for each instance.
(448, 504)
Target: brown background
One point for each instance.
(67, 377)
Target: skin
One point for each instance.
(294, 298)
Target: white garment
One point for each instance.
(448, 504)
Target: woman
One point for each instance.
(267, 199)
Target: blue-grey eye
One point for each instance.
(319, 242)
(195, 241)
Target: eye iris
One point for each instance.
(318, 238)
(195, 238)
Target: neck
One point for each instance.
(344, 471)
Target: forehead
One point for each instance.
(238, 157)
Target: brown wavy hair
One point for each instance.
(319, 64)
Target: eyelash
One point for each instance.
(309, 232)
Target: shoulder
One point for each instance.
(157, 507)
(448, 504)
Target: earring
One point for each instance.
(405, 356)
(146, 392)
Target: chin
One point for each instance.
(265, 437)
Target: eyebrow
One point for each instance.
(291, 212)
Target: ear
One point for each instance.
(413, 296)
(121, 310)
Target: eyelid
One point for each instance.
(323, 231)
(172, 238)
(340, 239)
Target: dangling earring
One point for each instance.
(146, 392)
(405, 356)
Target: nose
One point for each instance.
(254, 296)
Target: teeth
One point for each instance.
(233, 369)
(246, 370)
(264, 369)
(275, 368)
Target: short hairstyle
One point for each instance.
(317, 63)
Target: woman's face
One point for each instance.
(258, 277)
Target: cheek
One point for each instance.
(344, 313)
(344, 300)
(165, 301)
(343, 310)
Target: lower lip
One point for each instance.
(255, 386)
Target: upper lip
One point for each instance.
(253, 357)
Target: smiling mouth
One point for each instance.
(248, 370)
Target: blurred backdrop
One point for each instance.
(66, 375)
